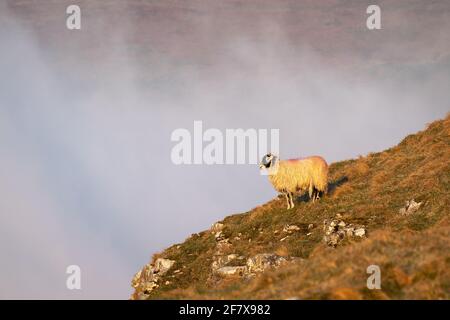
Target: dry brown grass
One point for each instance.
(344, 190)
(359, 169)
(282, 251)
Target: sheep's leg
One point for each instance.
(311, 192)
(291, 194)
(286, 194)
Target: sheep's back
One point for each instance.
(292, 175)
(300, 174)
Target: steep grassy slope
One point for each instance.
(411, 250)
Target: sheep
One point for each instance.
(293, 175)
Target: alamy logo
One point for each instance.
(74, 279)
(373, 22)
(212, 146)
(73, 21)
(374, 280)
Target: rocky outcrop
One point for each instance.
(231, 271)
(246, 268)
(222, 261)
(147, 279)
(410, 207)
(264, 261)
(290, 228)
(223, 243)
(336, 230)
(216, 227)
(235, 265)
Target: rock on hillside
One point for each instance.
(389, 209)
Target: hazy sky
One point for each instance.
(86, 118)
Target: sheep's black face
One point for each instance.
(266, 161)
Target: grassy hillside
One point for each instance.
(412, 250)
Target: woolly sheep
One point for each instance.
(293, 175)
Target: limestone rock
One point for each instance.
(360, 232)
(163, 265)
(231, 271)
(216, 227)
(263, 261)
(253, 265)
(135, 280)
(290, 228)
(336, 230)
(146, 280)
(410, 207)
(222, 261)
(219, 235)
